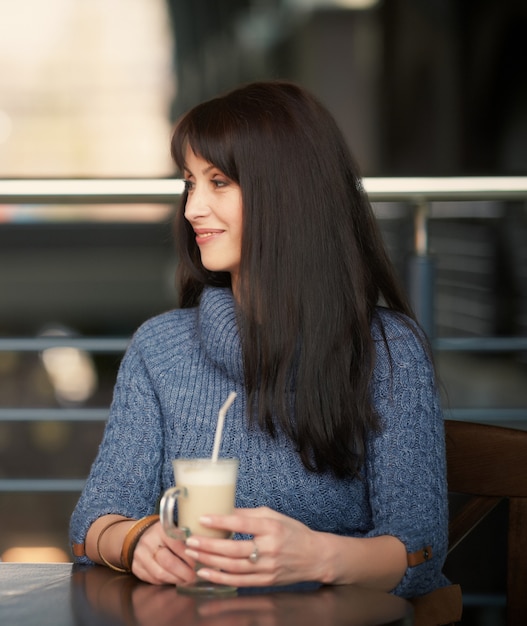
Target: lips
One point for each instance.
(204, 234)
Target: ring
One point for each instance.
(255, 554)
(154, 554)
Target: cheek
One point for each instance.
(240, 218)
(240, 233)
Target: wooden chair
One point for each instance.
(489, 463)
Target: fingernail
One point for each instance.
(191, 554)
(193, 543)
(205, 520)
(203, 573)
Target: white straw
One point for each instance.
(219, 426)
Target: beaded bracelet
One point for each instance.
(132, 539)
(107, 563)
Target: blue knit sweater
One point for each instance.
(176, 374)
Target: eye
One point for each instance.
(189, 185)
(219, 182)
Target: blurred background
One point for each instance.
(91, 89)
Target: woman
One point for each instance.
(337, 423)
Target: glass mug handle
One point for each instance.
(166, 513)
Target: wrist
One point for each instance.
(112, 539)
(107, 541)
(325, 558)
(132, 539)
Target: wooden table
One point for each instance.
(60, 594)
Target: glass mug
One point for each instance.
(203, 487)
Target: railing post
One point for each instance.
(421, 271)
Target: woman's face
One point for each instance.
(214, 210)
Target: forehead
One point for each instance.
(195, 162)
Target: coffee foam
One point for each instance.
(198, 473)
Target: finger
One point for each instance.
(155, 539)
(152, 572)
(234, 566)
(240, 557)
(158, 574)
(256, 579)
(242, 524)
(198, 546)
(161, 565)
(183, 567)
(156, 535)
(259, 511)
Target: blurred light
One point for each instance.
(35, 554)
(355, 4)
(71, 199)
(6, 126)
(343, 4)
(83, 104)
(71, 371)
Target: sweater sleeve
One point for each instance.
(125, 476)
(406, 465)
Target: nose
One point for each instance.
(197, 204)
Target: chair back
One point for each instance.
(489, 463)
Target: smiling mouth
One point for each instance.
(203, 236)
(201, 232)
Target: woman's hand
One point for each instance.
(160, 559)
(284, 550)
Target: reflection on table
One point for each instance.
(61, 595)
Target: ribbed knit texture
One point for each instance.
(176, 374)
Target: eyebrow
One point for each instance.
(205, 171)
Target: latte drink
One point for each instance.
(207, 488)
(203, 487)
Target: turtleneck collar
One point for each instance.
(218, 331)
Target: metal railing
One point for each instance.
(418, 193)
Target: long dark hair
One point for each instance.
(313, 266)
